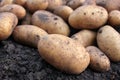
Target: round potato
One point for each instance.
(85, 37)
(63, 11)
(28, 35)
(108, 40)
(64, 53)
(114, 18)
(98, 60)
(34, 5)
(18, 10)
(51, 23)
(8, 21)
(4, 2)
(88, 17)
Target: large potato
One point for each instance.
(114, 18)
(18, 10)
(28, 35)
(34, 5)
(98, 60)
(108, 40)
(64, 53)
(8, 21)
(63, 11)
(85, 37)
(88, 17)
(51, 23)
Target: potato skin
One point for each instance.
(63, 11)
(114, 18)
(88, 17)
(63, 53)
(4, 2)
(85, 37)
(98, 60)
(34, 5)
(18, 10)
(51, 23)
(20, 2)
(8, 21)
(108, 40)
(28, 35)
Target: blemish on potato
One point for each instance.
(43, 17)
(55, 18)
(100, 31)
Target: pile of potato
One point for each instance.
(46, 25)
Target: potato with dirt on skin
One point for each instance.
(114, 18)
(8, 21)
(28, 35)
(20, 2)
(88, 16)
(4, 2)
(63, 53)
(98, 60)
(108, 40)
(18, 10)
(75, 3)
(101, 2)
(50, 22)
(63, 11)
(85, 37)
(52, 4)
(34, 5)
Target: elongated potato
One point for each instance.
(98, 60)
(28, 35)
(8, 21)
(85, 37)
(63, 11)
(108, 40)
(4, 2)
(34, 5)
(51, 23)
(64, 53)
(18, 10)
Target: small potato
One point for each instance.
(88, 17)
(52, 4)
(108, 40)
(114, 18)
(63, 53)
(51, 23)
(8, 21)
(34, 5)
(27, 19)
(28, 35)
(20, 2)
(18, 10)
(85, 37)
(4, 2)
(63, 11)
(98, 60)
(75, 3)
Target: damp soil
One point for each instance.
(20, 62)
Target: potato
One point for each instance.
(20, 2)
(34, 5)
(98, 60)
(112, 5)
(4, 2)
(63, 53)
(85, 37)
(18, 10)
(88, 17)
(114, 18)
(27, 19)
(51, 23)
(8, 21)
(108, 40)
(28, 35)
(52, 4)
(101, 2)
(63, 11)
(75, 3)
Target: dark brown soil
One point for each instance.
(19, 62)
